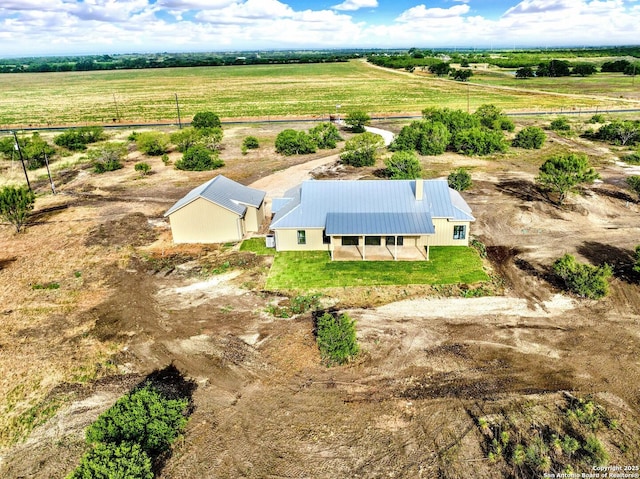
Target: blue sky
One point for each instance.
(48, 27)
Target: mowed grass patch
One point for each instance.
(305, 270)
(257, 91)
(257, 246)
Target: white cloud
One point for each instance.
(421, 12)
(352, 5)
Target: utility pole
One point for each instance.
(24, 168)
(117, 111)
(178, 108)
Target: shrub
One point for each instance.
(250, 143)
(479, 141)
(185, 138)
(77, 139)
(561, 174)
(152, 143)
(427, 137)
(325, 135)
(16, 203)
(114, 461)
(108, 157)
(632, 158)
(199, 158)
(142, 167)
(336, 337)
(620, 132)
(560, 124)
(454, 120)
(357, 120)
(292, 142)
(596, 453)
(206, 119)
(531, 137)
(459, 180)
(33, 150)
(491, 117)
(145, 417)
(634, 184)
(362, 149)
(583, 279)
(403, 165)
(597, 118)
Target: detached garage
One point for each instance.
(219, 211)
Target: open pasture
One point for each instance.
(265, 91)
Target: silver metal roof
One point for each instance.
(225, 193)
(403, 224)
(383, 199)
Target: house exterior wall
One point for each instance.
(444, 233)
(287, 240)
(253, 218)
(204, 222)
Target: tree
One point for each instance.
(524, 72)
(440, 69)
(143, 168)
(634, 184)
(584, 69)
(461, 75)
(361, 150)
(336, 338)
(530, 137)
(145, 417)
(357, 120)
(403, 165)
(152, 143)
(108, 157)
(560, 124)
(615, 66)
(583, 279)
(427, 137)
(211, 138)
(114, 461)
(199, 158)
(620, 132)
(325, 135)
(491, 117)
(479, 141)
(33, 149)
(561, 174)
(632, 70)
(459, 180)
(185, 138)
(77, 139)
(292, 142)
(454, 120)
(206, 119)
(16, 202)
(554, 68)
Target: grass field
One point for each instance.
(264, 91)
(314, 270)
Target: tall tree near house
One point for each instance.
(561, 174)
(16, 203)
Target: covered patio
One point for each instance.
(379, 236)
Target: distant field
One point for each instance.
(265, 91)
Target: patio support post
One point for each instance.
(395, 248)
(427, 248)
(364, 248)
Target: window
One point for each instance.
(302, 237)
(459, 232)
(350, 241)
(372, 240)
(325, 239)
(391, 240)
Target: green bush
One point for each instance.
(357, 120)
(142, 167)
(250, 143)
(199, 158)
(632, 158)
(530, 137)
(292, 142)
(185, 138)
(206, 119)
(16, 203)
(596, 453)
(426, 136)
(583, 279)
(560, 124)
(634, 183)
(403, 165)
(108, 157)
(336, 338)
(145, 417)
(114, 461)
(33, 149)
(325, 135)
(362, 149)
(459, 180)
(491, 117)
(597, 118)
(77, 139)
(152, 143)
(479, 141)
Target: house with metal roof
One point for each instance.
(218, 211)
(371, 219)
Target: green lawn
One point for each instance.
(257, 246)
(315, 270)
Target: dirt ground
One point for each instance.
(129, 302)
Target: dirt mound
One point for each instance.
(132, 229)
